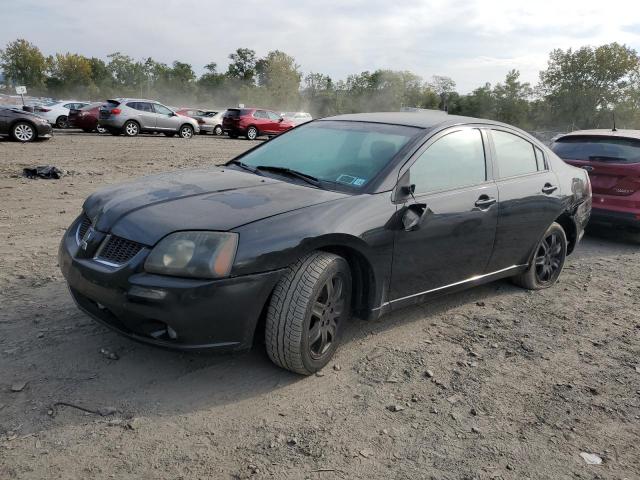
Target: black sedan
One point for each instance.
(350, 215)
(23, 126)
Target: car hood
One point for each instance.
(219, 199)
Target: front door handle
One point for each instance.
(548, 189)
(484, 202)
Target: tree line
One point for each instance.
(580, 88)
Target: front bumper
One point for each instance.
(179, 313)
(44, 130)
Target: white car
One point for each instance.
(297, 118)
(57, 111)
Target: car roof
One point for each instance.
(420, 119)
(601, 132)
(122, 100)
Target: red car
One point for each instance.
(86, 118)
(612, 158)
(253, 122)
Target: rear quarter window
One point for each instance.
(515, 156)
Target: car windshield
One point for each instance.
(348, 154)
(595, 148)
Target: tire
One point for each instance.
(23, 132)
(548, 260)
(62, 122)
(304, 319)
(186, 131)
(100, 129)
(252, 133)
(131, 128)
(217, 131)
(170, 134)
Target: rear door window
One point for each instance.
(454, 161)
(515, 155)
(260, 114)
(598, 148)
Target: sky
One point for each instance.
(472, 41)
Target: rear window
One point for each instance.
(237, 112)
(111, 104)
(598, 149)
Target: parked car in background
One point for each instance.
(57, 112)
(253, 122)
(210, 121)
(23, 126)
(612, 158)
(86, 118)
(131, 116)
(297, 118)
(351, 215)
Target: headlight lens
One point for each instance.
(194, 254)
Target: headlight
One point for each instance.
(194, 254)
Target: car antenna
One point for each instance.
(614, 129)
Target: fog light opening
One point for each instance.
(162, 331)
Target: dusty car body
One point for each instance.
(210, 121)
(350, 215)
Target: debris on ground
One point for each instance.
(18, 386)
(47, 172)
(109, 354)
(591, 458)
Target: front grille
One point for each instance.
(85, 223)
(118, 250)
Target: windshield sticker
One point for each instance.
(350, 180)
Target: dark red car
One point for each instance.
(86, 118)
(612, 158)
(253, 122)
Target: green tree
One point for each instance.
(243, 65)
(280, 77)
(512, 100)
(583, 85)
(69, 73)
(444, 87)
(23, 64)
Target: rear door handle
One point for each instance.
(548, 189)
(485, 202)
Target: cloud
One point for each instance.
(473, 41)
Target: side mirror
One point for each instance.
(281, 119)
(173, 114)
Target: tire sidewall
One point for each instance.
(26, 124)
(555, 227)
(124, 129)
(183, 128)
(337, 266)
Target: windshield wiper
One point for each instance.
(244, 165)
(310, 179)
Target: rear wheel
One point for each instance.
(186, 131)
(23, 132)
(131, 128)
(218, 130)
(62, 121)
(548, 260)
(308, 309)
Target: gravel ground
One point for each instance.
(495, 382)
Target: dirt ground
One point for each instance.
(495, 382)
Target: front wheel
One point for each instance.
(252, 133)
(186, 131)
(307, 311)
(23, 132)
(547, 262)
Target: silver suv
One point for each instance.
(130, 116)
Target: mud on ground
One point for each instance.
(495, 382)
